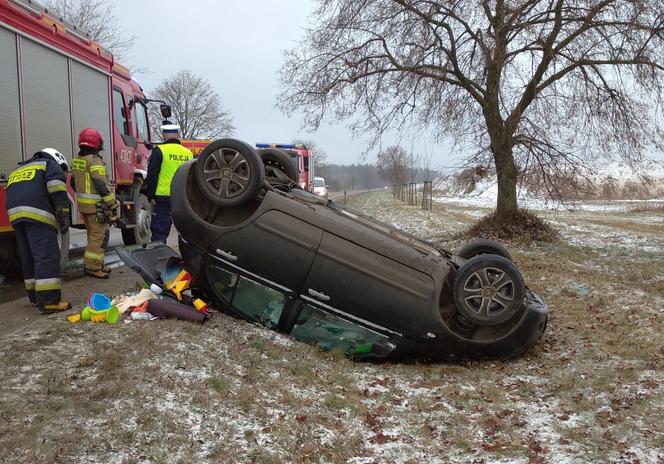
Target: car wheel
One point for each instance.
(483, 247)
(278, 164)
(488, 290)
(229, 172)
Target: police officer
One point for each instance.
(164, 161)
(38, 207)
(95, 198)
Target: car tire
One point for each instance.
(10, 261)
(229, 172)
(278, 164)
(140, 234)
(483, 247)
(488, 290)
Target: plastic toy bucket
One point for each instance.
(99, 302)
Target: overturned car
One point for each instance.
(274, 254)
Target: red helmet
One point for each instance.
(91, 138)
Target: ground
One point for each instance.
(228, 391)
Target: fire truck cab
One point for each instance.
(302, 158)
(54, 82)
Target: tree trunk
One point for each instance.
(507, 178)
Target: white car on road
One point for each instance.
(319, 187)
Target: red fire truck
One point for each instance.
(55, 81)
(303, 159)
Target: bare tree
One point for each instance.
(196, 107)
(392, 164)
(97, 18)
(413, 164)
(320, 155)
(546, 86)
(426, 163)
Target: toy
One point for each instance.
(100, 309)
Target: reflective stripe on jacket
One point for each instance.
(91, 182)
(35, 191)
(173, 155)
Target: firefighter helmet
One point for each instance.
(58, 157)
(91, 138)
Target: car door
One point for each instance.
(363, 284)
(275, 246)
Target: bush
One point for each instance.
(520, 226)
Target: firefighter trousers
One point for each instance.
(97, 239)
(40, 259)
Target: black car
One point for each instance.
(277, 255)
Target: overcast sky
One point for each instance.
(237, 46)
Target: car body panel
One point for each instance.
(295, 262)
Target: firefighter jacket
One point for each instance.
(164, 161)
(37, 192)
(90, 180)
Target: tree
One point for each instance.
(546, 86)
(196, 107)
(391, 163)
(97, 18)
(320, 155)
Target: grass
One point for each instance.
(592, 391)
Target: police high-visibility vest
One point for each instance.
(172, 156)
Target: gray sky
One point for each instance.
(237, 46)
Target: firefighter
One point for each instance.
(38, 207)
(164, 161)
(95, 198)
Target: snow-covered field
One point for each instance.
(153, 392)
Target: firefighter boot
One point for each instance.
(97, 273)
(54, 308)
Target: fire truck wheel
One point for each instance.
(63, 243)
(278, 164)
(10, 263)
(229, 172)
(140, 234)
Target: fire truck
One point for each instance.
(302, 158)
(54, 82)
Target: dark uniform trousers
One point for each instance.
(161, 222)
(40, 258)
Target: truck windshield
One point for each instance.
(319, 182)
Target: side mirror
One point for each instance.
(165, 111)
(123, 112)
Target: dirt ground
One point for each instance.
(228, 391)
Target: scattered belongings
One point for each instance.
(165, 308)
(126, 302)
(169, 295)
(99, 308)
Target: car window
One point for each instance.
(330, 332)
(223, 283)
(258, 303)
